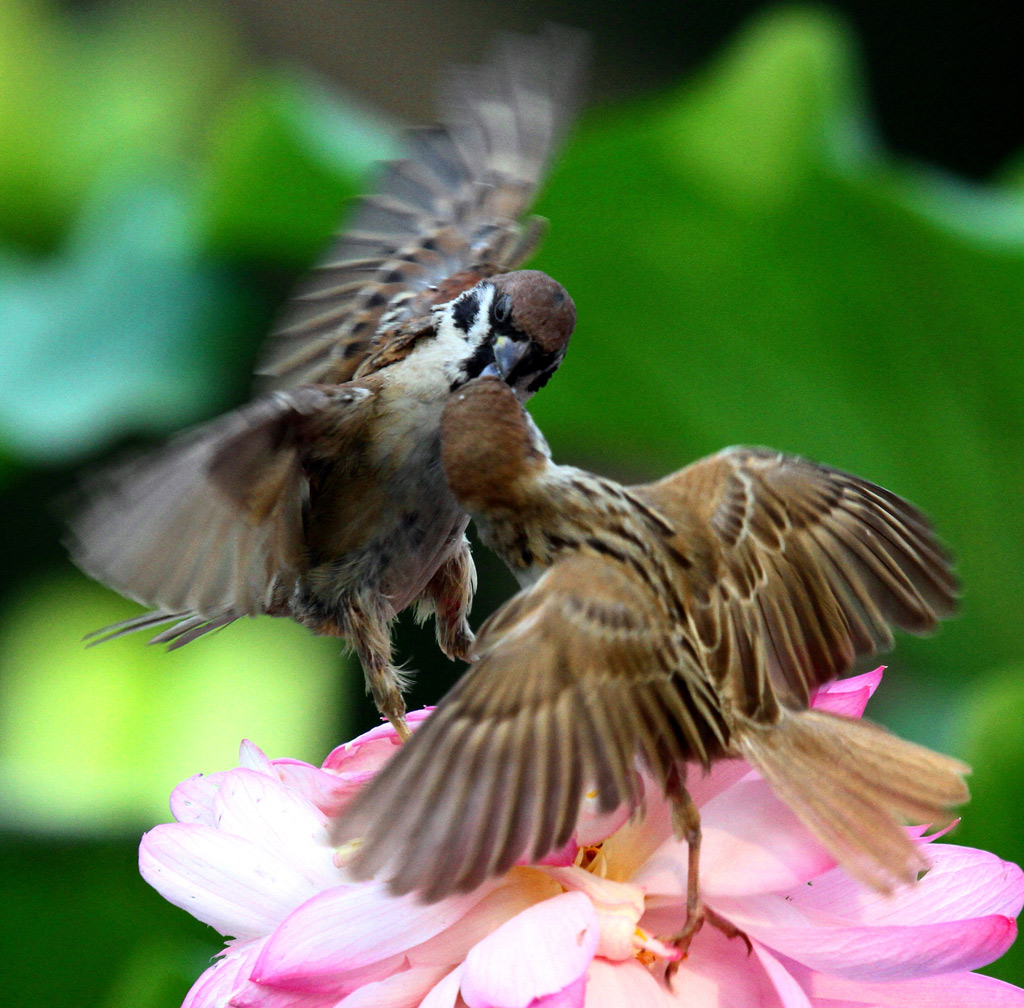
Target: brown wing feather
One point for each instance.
(796, 570)
(209, 528)
(452, 205)
(575, 678)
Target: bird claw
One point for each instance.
(694, 922)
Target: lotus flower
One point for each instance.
(249, 855)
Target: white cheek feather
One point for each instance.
(452, 341)
(435, 363)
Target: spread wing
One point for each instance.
(209, 528)
(574, 678)
(452, 206)
(793, 569)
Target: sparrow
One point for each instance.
(683, 621)
(324, 499)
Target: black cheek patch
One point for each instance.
(465, 311)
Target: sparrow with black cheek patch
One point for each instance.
(324, 500)
(683, 620)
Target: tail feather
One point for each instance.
(852, 784)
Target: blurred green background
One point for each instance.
(801, 227)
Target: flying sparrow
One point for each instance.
(686, 620)
(324, 499)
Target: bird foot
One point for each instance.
(694, 922)
(401, 728)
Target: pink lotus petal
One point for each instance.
(629, 847)
(350, 927)
(254, 996)
(789, 992)
(192, 800)
(568, 997)
(216, 985)
(703, 787)
(962, 883)
(889, 953)
(321, 992)
(524, 888)
(561, 858)
(444, 994)
(401, 990)
(280, 820)
(593, 825)
(752, 843)
(369, 751)
(848, 696)
(624, 984)
(252, 757)
(330, 793)
(951, 990)
(619, 907)
(225, 881)
(719, 972)
(537, 953)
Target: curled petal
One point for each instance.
(537, 954)
(619, 907)
(848, 696)
(367, 753)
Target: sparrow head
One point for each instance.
(490, 447)
(518, 325)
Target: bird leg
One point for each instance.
(449, 595)
(686, 823)
(367, 629)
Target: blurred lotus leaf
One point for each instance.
(125, 92)
(115, 332)
(750, 268)
(993, 743)
(284, 157)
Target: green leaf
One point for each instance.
(284, 158)
(123, 94)
(992, 737)
(94, 739)
(749, 268)
(114, 333)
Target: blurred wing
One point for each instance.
(452, 205)
(575, 678)
(794, 569)
(209, 528)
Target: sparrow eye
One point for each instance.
(502, 310)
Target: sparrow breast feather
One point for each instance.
(324, 500)
(682, 621)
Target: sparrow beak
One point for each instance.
(507, 354)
